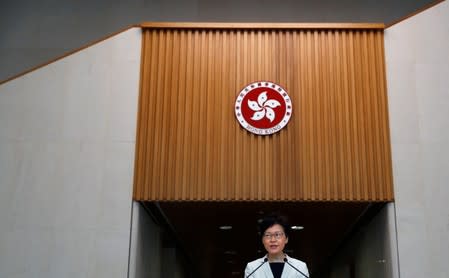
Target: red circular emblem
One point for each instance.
(263, 108)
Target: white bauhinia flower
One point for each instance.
(263, 107)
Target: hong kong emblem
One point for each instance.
(263, 108)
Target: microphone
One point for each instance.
(286, 261)
(264, 261)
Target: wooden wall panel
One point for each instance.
(190, 146)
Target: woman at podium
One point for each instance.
(274, 231)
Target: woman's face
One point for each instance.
(274, 240)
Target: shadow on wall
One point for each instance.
(153, 251)
(371, 252)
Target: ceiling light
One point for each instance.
(297, 228)
(225, 227)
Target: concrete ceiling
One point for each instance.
(34, 32)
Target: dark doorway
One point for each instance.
(221, 237)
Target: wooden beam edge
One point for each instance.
(265, 26)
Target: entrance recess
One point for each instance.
(221, 237)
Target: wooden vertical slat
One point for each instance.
(281, 57)
(190, 146)
(150, 192)
(339, 114)
(252, 146)
(203, 128)
(225, 114)
(238, 145)
(216, 104)
(186, 159)
(386, 146)
(295, 139)
(275, 155)
(369, 129)
(167, 124)
(291, 173)
(355, 173)
(377, 112)
(139, 169)
(259, 76)
(178, 184)
(332, 104)
(304, 112)
(195, 94)
(326, 120)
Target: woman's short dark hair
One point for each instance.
(273, 219)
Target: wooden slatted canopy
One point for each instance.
(190, 146)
